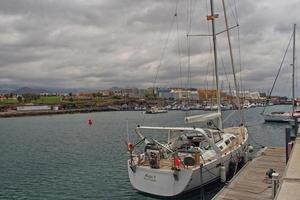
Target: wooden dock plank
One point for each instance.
(251, 182)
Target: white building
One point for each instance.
(33, 108)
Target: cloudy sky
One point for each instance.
(131, 43)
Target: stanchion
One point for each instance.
(275, 184)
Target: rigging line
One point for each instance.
(255, 142)
(236, 17)
(223, 66)
(224, 73)
(278, 72)
(240, 61)
(229, 116)
(178, 45)
(255, 124)
(127, 132)
(187, 37)
(240, 84)
(234, 13)
(192, 9)
(163, 51)
(187, 29)
(209, 32)
(189, 22)
(143, 119)
(233, 65)
(189, 45)
(188, 78)
(187, 15)
(210, 59)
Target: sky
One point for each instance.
(99, 44)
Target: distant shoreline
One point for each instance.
(51, 112)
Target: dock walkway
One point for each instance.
(251, 181)
(290, 187)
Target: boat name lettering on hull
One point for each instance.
(149, 177)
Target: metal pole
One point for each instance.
(201, 182)
(275, 184)
(293, 79)
(212, 18)
(295, 127)
(294, 50)
(232, 64)
(287, 140)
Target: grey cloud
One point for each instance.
(99, 44)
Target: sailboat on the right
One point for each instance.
(283, 116)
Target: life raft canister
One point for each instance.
(177, 162)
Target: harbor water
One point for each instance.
(63, 157)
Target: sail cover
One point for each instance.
(202, 118)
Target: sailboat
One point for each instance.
(282, 116)
(155, 110)
(191, 157)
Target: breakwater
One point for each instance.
(54, 112)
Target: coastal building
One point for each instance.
(164, 93)
(142, 93)
(194, 95)
(210, 95)
(207, 94)
(83, 96)
(134, 92)
(181, 94)
(280, 100)
(108, 93)
(249, 95)
(33, 108)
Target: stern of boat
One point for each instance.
(161, 182)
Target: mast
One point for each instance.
(212, 18)
(232, 63)
(294, 50)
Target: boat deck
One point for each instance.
(168, 163)
(251, 182)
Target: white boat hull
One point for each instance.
(163, 182)
(277, 118)
(159, 182)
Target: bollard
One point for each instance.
(275, 184)
(250, 153)
(290, 146)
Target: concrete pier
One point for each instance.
(251, 182)
(290, 187)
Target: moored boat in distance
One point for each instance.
(155, 110)
(280, 116)
(283, 117)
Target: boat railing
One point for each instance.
(200, 131)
